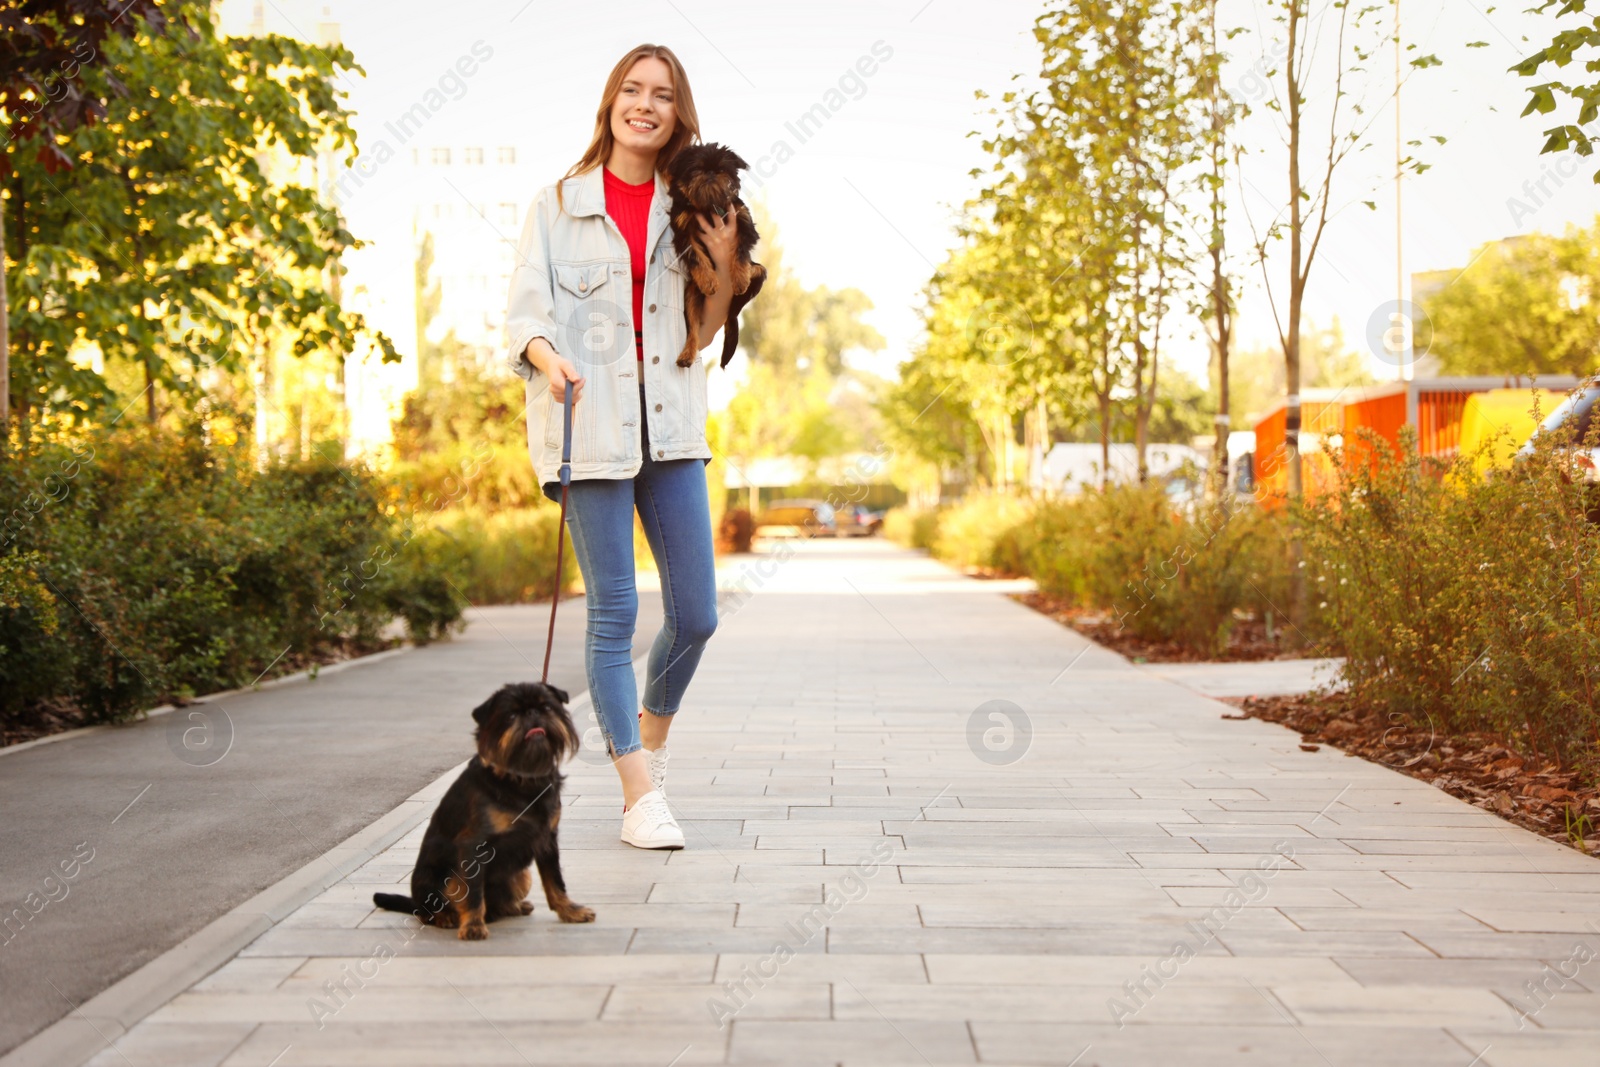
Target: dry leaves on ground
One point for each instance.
(1538, 796)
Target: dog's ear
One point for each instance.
(481, 713)
(560, 694)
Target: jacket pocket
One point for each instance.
(589, 316)
(580, 279)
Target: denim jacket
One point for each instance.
(573, 285)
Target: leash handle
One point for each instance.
(561, 522)
(566, 435)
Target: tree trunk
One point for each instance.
(1297, 278)
(1222, 424)
(1103, 402)
(5, 343)
(1291, 343)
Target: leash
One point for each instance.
(561, 524)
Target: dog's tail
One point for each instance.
(394, 902)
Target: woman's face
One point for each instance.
(644, 114)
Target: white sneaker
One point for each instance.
(649, 823)
(657, 762)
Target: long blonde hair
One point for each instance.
(686, 130)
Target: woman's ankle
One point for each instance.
(634, 772)
(653, 729)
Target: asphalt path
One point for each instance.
(134, 838)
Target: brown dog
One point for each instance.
(704, 179)
(498, 818)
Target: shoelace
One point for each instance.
(654, 811)
(658, 768)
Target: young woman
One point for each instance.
(597, 307)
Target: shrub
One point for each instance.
(976, 532)
(502, 558)
(1462, 603)
(912, 527)
(736, 531)
(141, 564)
(1166, 572)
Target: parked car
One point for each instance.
(1576, 412)
(853, 520)
(798, 518)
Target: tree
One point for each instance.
(792, 328)
(1090, 170)
(1525, 305)
(796, 340)
(1217, 306)
(1559, 53)
(1356, 39)
(181, 242)
(46, 46)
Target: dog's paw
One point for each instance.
(576, 913)
(525, 908)
(473, 932)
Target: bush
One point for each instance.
(1167, 573)
(976, 533)
(143, 564)
(736, 531)
(912, 527)
(1464, 604)
(503, 558)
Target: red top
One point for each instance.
(629, 207)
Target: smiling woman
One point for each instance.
(595, 283)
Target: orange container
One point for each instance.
(1433, 405)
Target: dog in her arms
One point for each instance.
(704, 179)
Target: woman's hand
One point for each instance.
(557, 368)
(562, 373)
(721, 239)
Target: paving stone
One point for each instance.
(1217, 1044)
(189, 1045)
(872, 1041)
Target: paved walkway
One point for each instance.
(1262, 678)
(928, 826)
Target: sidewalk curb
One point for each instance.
(166, 709)
(98, 1022)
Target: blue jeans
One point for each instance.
(670, 496)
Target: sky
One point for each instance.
(870, 199)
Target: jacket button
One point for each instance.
(655, 359)
(652, 307)
(660, 453)
(658, 407)
(583, 285)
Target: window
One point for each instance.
(505, 154)
(440, 157)
(473, 157)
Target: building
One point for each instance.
(470, 198)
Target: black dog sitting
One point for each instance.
(704, 179)
(496, 819)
